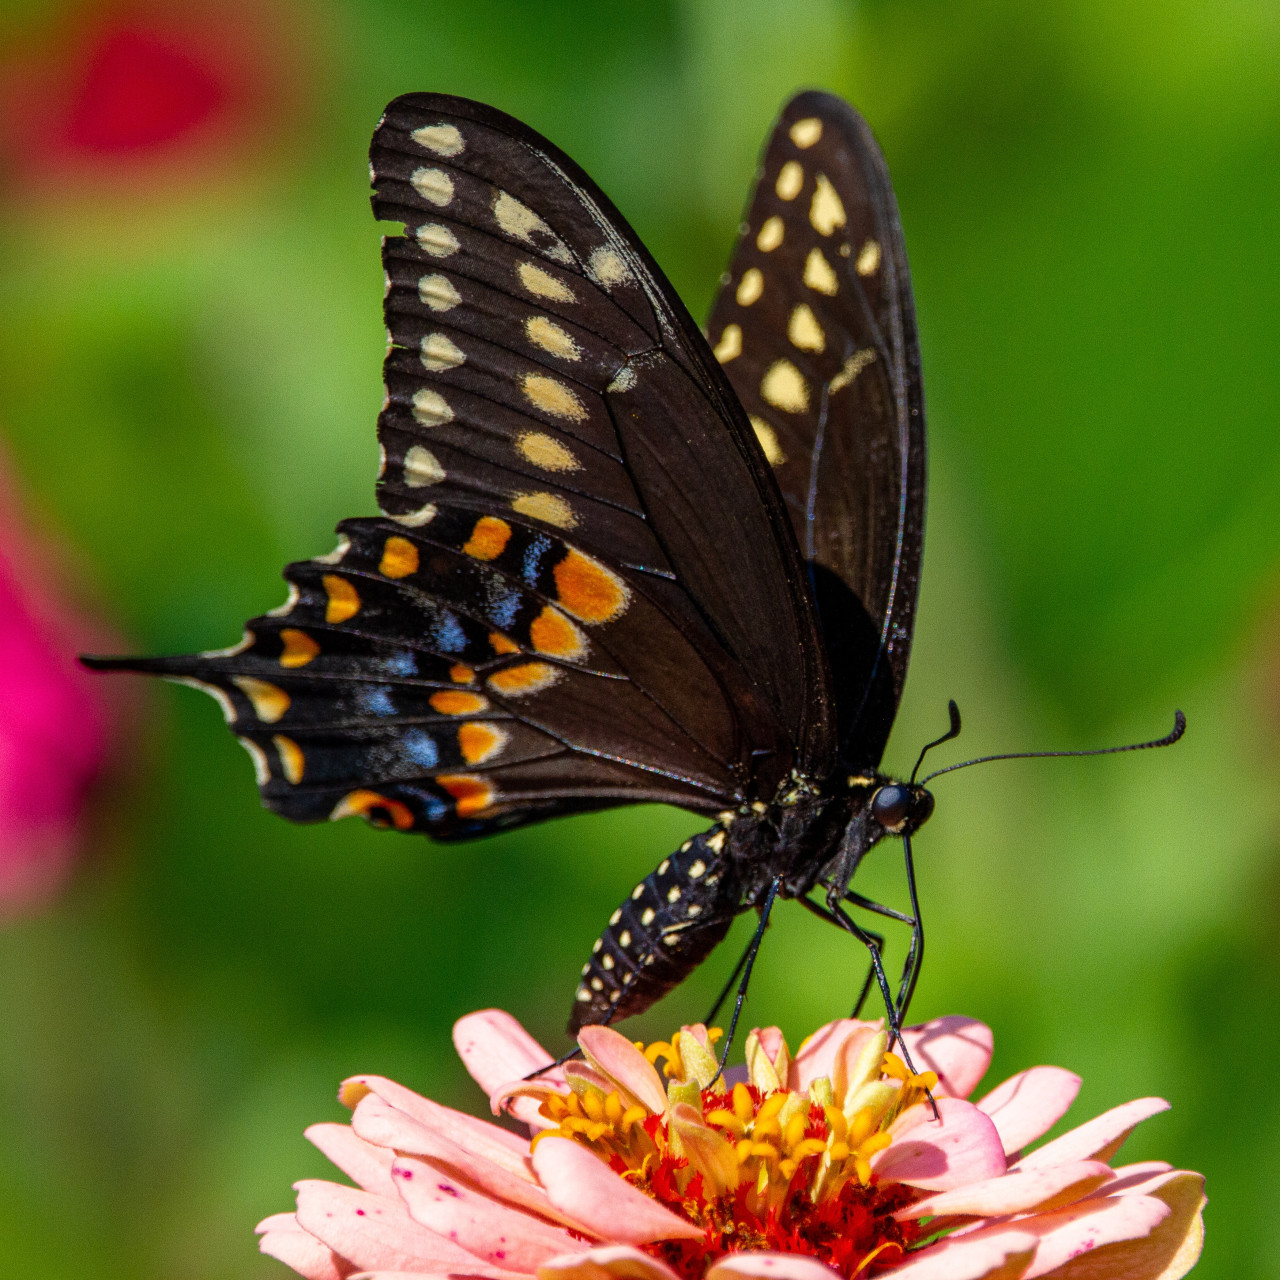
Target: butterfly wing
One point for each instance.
(583, 588)
(815, 328)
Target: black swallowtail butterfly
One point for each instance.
(618, 562)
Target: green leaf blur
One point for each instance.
(188, 383)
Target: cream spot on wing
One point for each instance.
(664, 866)
(784, 387)
(819, 274)
(826, 213)
(804, 330)
(804, 133)
(750, 287)
(853, 366)
(673, 894)
(647, 917)
(613, 919)
(421, 467)
(606, 962)
(520, 221)
(434, 185)
(790, 180)
(868, 260)
(438, 293)
(291, 601)
(246, 641)
(582, 995)
(638, 892)
(553, 396)
(730, 345)
(607, 267)
(548, 335)
(597, 984)
(261, 769)
(336, 555)
(768, 439)
(436, 239)
(225, 705)
(444, 139)
(431, 408)
(716, 843)
(546, 452)
(543, 284)
(697, 871)
(547, 507)
(770, 236)
(415, 519)
(623, 380)
(440, 352)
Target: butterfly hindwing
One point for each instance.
(815, 329)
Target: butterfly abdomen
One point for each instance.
(667, 926)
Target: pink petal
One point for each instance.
(818, 1053)
(614, 1056)
(1096, 1139)
(620, 1261)
(1095, 1224)
(496, 1049)
(937, 1155)
(1133, 1179)
(1000, 1254)
(1040, 1189)
(958, 1049)
(775, 1266)
(1028, 1105)
(1173, 1248)
(375, 1233)
(285, 1240)
(477, 1136)
(381, 1123)
(368, 1166)
(587, 1075)
(584, 1187)
(495, 1233)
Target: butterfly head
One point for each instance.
(900, 807)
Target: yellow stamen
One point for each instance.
(743, 1150)
(839, 1151)
(743, 1107)
(726, 1120)
(863, 1170)
(632, 1117)
(795, 1131)
(766, 1128)
(836, 1122)
(613, 1108)
(593, 1105)
(894, 1066)
(765, 1150)
(809, 1147)
(771, 1106)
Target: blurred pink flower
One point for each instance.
(53, 721)
(829, 1164)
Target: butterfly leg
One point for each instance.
(823, 914)
(915, 953)
(747, 964)
(728, 986)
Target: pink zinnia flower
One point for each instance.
(829, 1164)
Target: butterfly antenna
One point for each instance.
(1179, 728)
(953, 732)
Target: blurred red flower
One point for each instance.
(112, 92)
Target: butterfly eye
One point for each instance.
(890, 806)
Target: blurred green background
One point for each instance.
(190, 352)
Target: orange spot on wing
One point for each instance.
(488, 538)
(344, 602)
(299, 648)
(456, 702)
(460, 673)
(292, 761)
(399, 558)
(527, 677)
(502, 644)
(588, 590)
(380, 810)
(470, 794)
(479, 741)
(551, 632)
(269, 701)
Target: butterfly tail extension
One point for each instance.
(667, 926)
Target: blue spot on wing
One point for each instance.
(420, 747)
(376, 701)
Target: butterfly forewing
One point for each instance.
(815, 329)
(584, 589)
